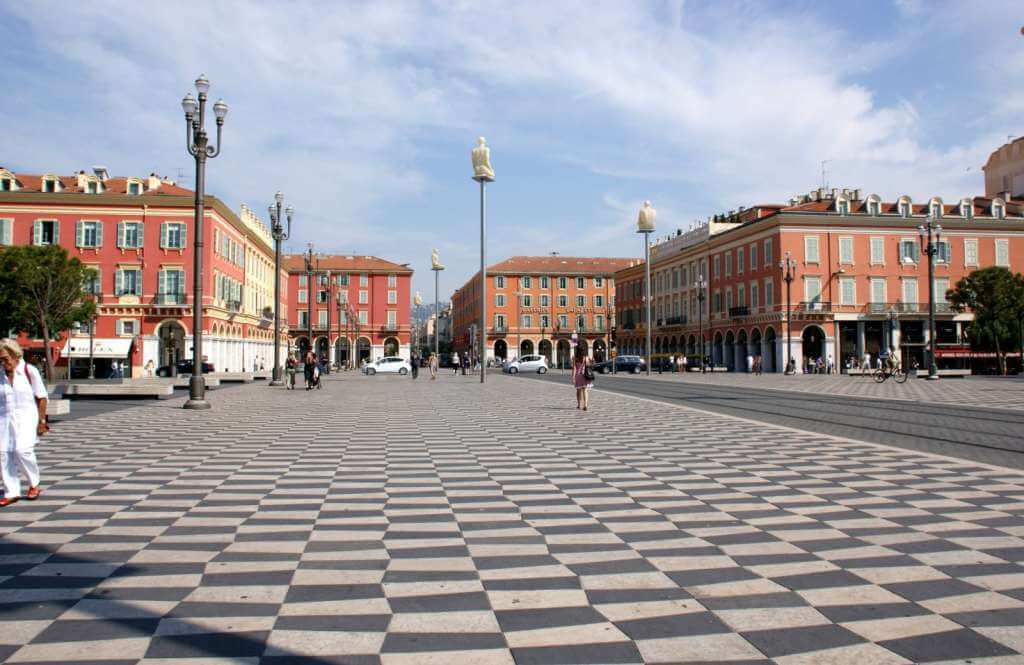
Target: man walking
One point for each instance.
(414, 360)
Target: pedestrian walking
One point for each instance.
(456, 363)
(750, 363)
(149, 367)
(582, 377)
(830, 365)
(465, 363)
(309, 369)
(415, 362)
(432, 363)
(23, 399)
(292, 367)
(683, 362)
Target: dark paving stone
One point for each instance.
(310, 593)
(679, 625)
(846, 613)
(81, 630)
(611, 596)
(951, 645)
(826, 580)
(451, 602)
(691, 578)
(28, 611)
(419, 642)
(140, 593)
(615, 567)
(532, 619)
(931, 589)
(757, 601)
(1007, 617)
(614, 653)
(784, 642)
(533, 584)
(320, 660)
(208, 645)
(190, 610)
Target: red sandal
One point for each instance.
(4, 502)
(33, 493)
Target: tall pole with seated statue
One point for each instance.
(483, 173)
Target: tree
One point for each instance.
(996, 296)
(44, 293)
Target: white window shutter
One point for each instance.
(162, 288)
(163, 235)
(99, 234)
(56, 232)
(6, 231)
(79, 233)
(119, 327)
(119, 282)
(141, 237)
(120, 234)
(37, 233)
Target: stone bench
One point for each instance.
(55, 408)
(120, 390)
(238, 377)
(261, 375)
(180, 381)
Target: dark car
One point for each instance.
(627, 364)
(182, 367)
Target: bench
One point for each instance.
(55, 408)
(120, 390)
(261, 375)
(179, 381)
(238, 377)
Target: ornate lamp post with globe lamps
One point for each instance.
(279, 233)
(931, 235)
(645, 225)
(197, 143)
(788, 264)
(701, 284)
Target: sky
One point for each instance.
(364, 114)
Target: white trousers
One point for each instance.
(13, 458)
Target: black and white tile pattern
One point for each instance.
(389, 521)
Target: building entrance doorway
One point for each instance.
(172, 343)
(501, 349)
(363, 351)
(564, 353)
(813, 339)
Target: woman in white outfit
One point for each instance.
(22, 420)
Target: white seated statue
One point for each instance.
(482, 170)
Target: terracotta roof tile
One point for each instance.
(560, 265)
(32, 182)
(345, 263)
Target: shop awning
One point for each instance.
(102, 347)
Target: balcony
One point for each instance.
(170, 299)
(737, 312)
(233, 305)
(907, 308)
(814, 306)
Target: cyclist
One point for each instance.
(883, 361)
(893, 360)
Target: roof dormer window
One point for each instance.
(966, 209)
(842, 206)
(998, 209)
(134, 188)
(935, 207)
(904, 207)
(6, 184)
(874, 205)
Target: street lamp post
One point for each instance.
(700, 285)
(483, 174)
(197, 143)
(279, 233)
(931, 234)
(311, 270)
(92, 339)
(788, 264)
(645, 225)
(435, 265)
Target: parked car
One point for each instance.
(182, 367)
(537, 364)
(629, 364)
(388, 365)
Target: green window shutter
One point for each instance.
(118, 282)
(5, 231)
(56, 232)
(141, 235)
(79, 234)
(119, 327)
(37, 233)
(120, 234)
(163, 235)
(162, 289)
(184, 229)
(99, 234)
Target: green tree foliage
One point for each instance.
(43, 293)
(996, 296)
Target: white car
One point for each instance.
(391, 364)
(537, 364)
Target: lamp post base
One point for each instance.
(196, 405)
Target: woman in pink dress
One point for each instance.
(582, 378)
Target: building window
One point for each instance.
(728, 299)
(874, 206)
(545, 283)
(581, 322)
(935, 208)
(499, 281)
(599, 322)
(364, 317)
(599, 282)
(321, 296)
(134, 189)
(811, 254)
(545, 300)
(93, 188)
(846, 250)
(128, 282)
(45, 232)
(812, 289)
(563, 283)
(303, 319)
(847, 291)
(92, 281)
(6, 185)
(172, 235)
(563, 301)
(499, 300)
(527, 321)
(767, 252)
(1002, 252)
(753, 258)
(769, 293)
(89, 234)
(321, 318)
(392, 297)
(716, 301)
(904, 208)
(754, 300)
(716, 266)
(171, 287)
(967, 209)
(878, 290)
(741, 295)
(392, 281)
(941, 287)
(342, 297)
(527, 300)
(843, 207)
(342, 279)
(545, 321)
(581, 301)
(581, 282)
(303, 280)
(129, 235)
(598, 301)
(364, 296)
(910, 290)
(944, 253)
(499, 321)
(563, 321)
(971, 252)
(303, 296)
(910, 251)
(998, 209)
(126, 327)
(526, 282)
(728, 264)
(364, 279)
(877, 251)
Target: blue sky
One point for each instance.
(363, 114)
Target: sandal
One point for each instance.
(4, 502)
(33, 493)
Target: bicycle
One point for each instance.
(898, 374)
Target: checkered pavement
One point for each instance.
(981, 391)
(383, 520)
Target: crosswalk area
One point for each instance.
(385, 520)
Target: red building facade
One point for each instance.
(354, 308)
(137, 236)
(860, 280)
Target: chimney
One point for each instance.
(153, 182)
(856, 194)
(1005, 195)
(101, 173)
(82, 179)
